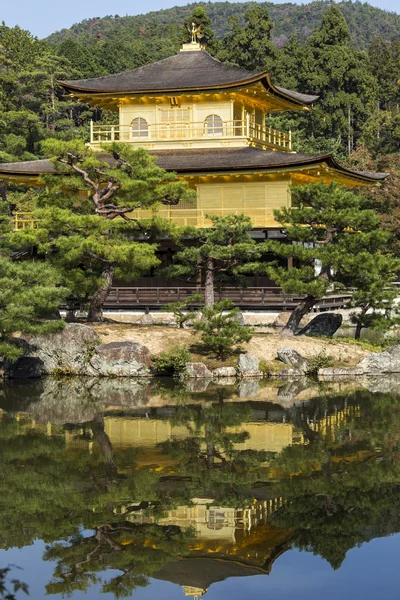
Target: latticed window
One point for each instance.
(140, 128)
(213, 125)
(174, 122)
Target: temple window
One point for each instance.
(213, 125)
(140, 128)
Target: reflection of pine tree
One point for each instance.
(210, 457)
(343, 490)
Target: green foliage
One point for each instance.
(204, 33)
(28, 292)
(322, 360)
(250, 47)
(220, 329)
(180, 309)
(343, 237)
(171, 363)
(6, 583)
(220, 252)
(88, 235)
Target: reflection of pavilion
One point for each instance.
(229, 542)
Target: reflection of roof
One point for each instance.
(185, 71)
(202, 572)
(211, 160)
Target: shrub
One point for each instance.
(181, 308)
(317, 362)
(171, 363)
(221, 330)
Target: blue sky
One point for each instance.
(42, 17)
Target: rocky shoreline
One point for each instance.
(79, 351)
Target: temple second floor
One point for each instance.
(190, 100)
(227, 181)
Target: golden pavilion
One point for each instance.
(205, 120)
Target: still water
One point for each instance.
(118, 489)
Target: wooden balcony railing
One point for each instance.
(267, 298)
(163, 132)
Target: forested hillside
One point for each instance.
(290, 20)
(359, 89)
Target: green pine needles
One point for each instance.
(221, 330)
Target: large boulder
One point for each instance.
(224, 372)
(248, 366)
(26, 367)
(66, 352)
(293, 359)
(387, 361)
(197, 370)
(340, 372)
(324, 324)
(120, 359)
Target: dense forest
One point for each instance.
(290, 20)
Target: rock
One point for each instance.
(287, 373)
(335, 372)
(248, 366)
(197, 370)
(240, 318)
(120, 359)
(387, 361)
(282, 319)
(65, 352)
(248, 388)
(26, 367)
(146, 319)
(293, 359)
(224, 372)
(325, 324)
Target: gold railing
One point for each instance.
(197, 217)
(23, 220)
(163, 132)
(194, 217)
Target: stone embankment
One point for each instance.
(78, 350)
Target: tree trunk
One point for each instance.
(359, 327)
(98, 299)
(302, 309)
(105, 446)
(209, 284)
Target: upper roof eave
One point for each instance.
(181, 73)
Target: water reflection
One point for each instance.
(125, 481)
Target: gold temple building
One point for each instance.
(205, 120)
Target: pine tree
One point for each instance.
(250, 46)
(28, 291)
(336, 242)
(221, 330)
(219, 254)
(84, 223)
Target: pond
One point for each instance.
(119, 489)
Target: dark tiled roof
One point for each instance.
(34, 167)
(210, 160)
(184, 71)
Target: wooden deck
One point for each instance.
(257, 298)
